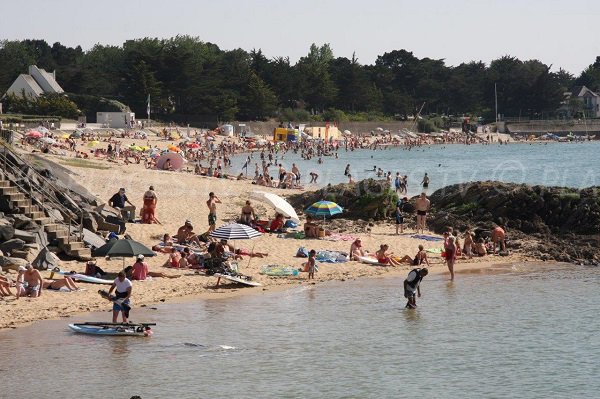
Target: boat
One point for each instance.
(113, 329)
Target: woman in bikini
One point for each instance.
(384, 257)
(57, 284)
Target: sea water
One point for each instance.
(550, 164)
(520, 331)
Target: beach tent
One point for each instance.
(176, 160)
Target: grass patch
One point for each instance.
(570, 196)
(82, 163)
(466, 208)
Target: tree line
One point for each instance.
(186, 77)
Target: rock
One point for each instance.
(89, 221)
(26, 253)
(7, 206)
(25, 236)
(7, 262)
(46, 260)
(23, 222)
(6, 232)
(11, 245)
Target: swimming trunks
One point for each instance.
(399, 219)
(425, 185)
(422, 213)
(212, 219)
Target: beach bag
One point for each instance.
(302, 253)
(291, 224)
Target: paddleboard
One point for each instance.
(112, 329)
(238, 280)
(82, 277)
(370, 261)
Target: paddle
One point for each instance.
(119, 301)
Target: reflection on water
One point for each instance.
(529, 331)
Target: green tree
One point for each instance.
(316, 86)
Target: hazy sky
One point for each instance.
(562, 33)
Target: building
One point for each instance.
(36, 83)
(326, 132)
(590, 101)
(116, 119)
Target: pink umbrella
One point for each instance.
(176, 161)
(193, 145)
(34, 134)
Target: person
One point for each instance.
(57, 284)
(118, 200)
(422, 206)
(311, 229)
(29, 282)
(498, 238)
(479, 248)
(412, 286)
(312, 263)
(425, 182)
(296, 172)
(347, 170)
(165, 246)
(277, 224)
(252, 254)
(248, 216)
(140, 269)
(451, 255)
(313, 177)
(148, 212)
(420, 258)
(5, 284)
(398, 184)
(211, 203)
(384, 257)
(350, 180)
(123, 288)
(356, 250)
(400, 214)
(185, 234)
(468, 244)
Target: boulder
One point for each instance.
(46, 260)
(28, 254)
(7, 206)
(12, 244)
(26, 236)
(23, 222)
(89, 221)
(6, 232)
(7, 262)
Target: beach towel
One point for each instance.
(434, 250)
(426, 237)
(302, 253)
(332, 256)
(278, 270)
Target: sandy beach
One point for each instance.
(183, 196)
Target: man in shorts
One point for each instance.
(29, 282)
(422, 206)
(412, 286)
(122, 287)
(212, 202)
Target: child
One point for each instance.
(312, 264)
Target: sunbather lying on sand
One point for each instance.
(57, 284)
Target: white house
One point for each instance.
(36, 83)
(116, 119)
(590, 100)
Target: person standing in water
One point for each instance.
(425, 181)
(347, 170)
(412, 286)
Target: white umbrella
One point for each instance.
(47, 140)
(280, 204)
(235, 231)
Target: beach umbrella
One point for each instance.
(42, 129)
(136, 148)
(123, 248)
(175, 159)
(34, 134)
(93, 143)
(324, 208)
(193, 145)
(65, 136)
(235, 231)
(277, 202)
(379, 129)
(75, 135)
(47, 140)
(173, 148)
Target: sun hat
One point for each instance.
(140, 257)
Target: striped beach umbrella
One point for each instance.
(235, 231)
(324, 209)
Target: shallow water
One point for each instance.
(524, 331)
(550, 164)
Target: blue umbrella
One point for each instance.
(324, 209)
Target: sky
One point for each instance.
(564, 34)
